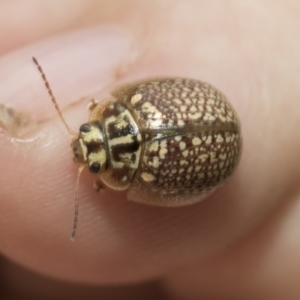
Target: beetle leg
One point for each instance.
(98, 185)
(93, 103)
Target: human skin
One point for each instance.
(241, 243)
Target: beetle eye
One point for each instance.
(94, 167)
(85, 128)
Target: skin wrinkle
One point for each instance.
(255, 62)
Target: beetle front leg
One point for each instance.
(93, 103)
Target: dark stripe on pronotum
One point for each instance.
(120, 149)
(114, 131)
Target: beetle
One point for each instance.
(167, 141)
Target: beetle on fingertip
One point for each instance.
(167, 141)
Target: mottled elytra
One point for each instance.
(167, 141)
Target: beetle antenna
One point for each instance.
(52, 97)
(76, 212)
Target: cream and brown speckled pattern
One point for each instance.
(177, 103)
(192, 140)
(178, 168)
